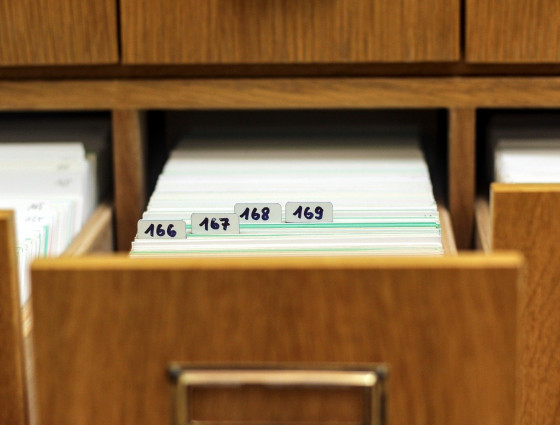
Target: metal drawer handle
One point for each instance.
(371, 380)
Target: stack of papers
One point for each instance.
(527, 161)
(52, 189)
(381, 193)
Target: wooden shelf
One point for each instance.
(281, 93)
(128, 99)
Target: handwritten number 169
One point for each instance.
(308, 214)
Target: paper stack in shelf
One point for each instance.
(52, 189)
(380, 190)
(527, 161)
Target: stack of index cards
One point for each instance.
(380, 190)
(527, 160)
(525, 147)
(51, 187)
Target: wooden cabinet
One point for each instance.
(289, 31)
(508, 31)
(58, 32)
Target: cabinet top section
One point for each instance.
(261, 33)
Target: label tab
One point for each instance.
(217, 224)
(161, 229)
(309, 212)
(259, 213)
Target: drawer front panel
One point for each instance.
(107, 329)
(508, 31)
(58, 32)
(525, 218)
(289, 31)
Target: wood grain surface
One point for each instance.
(461, 173)
(483, 232)
(96, 234)
(58, 32)
(447, 235)
(281, 93)
(129, 173)
(12, 377)
(107, 328)
(525, 218)
(289, 31)
(506, 31)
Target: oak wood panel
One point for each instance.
(12, 377)
(483, 232)
(129, 173)
(58, 32)
(525, 218)
(96, 234)
(289, 31)
(279, 93)
(447, 235)
(507, 31)
(107, 328)
(461, 173)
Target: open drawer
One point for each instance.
(16, 319)
(108, 329)
(524, 217)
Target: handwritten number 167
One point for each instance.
(214, 224)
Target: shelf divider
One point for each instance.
(129, 162)
(461, 173)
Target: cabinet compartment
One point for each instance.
(289, 31)
(107, 329)
(58, 32)
(320, 131)
(524, 217)
(93, 130)
(512, 31)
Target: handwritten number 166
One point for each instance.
(159, 230)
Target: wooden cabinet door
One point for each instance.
(510, 31)
(289, 31)
(58, 32)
